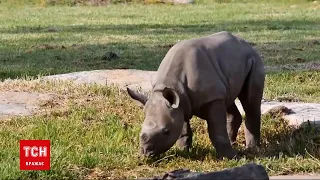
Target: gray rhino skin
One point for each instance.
(203, 77)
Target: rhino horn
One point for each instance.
(137, 96)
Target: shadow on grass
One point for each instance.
(143, 29)
(278, 140)
(197, 152)
(47, 59)
(47, 55)
(290, 141)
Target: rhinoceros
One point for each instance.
(202, 77)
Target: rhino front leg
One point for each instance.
(185, 140)
(234, 120)
(215, 114)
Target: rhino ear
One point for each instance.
(172, 97)
(138, 97)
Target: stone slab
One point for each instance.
(136, 79)
(21, 103)
(179, 1)
(295, 177)
(247, 171)
(302, 112)
(120, 77)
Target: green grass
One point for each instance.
(92, 137)
(293, 86)
(66, 39)
(94, 130)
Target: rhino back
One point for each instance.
(208, 68)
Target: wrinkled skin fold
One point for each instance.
(202, 77)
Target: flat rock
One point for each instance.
(301, 112)
(21, 103)
(247, 171)
(179, 1)
(135, 79)
(295, 177)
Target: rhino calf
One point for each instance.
(203, 77)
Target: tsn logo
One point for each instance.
(34, 154)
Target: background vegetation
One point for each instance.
(45, 3)
(94, 129)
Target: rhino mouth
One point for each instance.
(147, 153)
(152, 152)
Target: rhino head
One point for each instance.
(163, 121)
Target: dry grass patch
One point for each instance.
(94, 134)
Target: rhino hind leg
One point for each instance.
(252, 121)
(250, 98)
(234, 120)
(185, 140)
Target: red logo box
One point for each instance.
(34, 154)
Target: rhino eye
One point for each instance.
(144, 137)
(165, 131)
